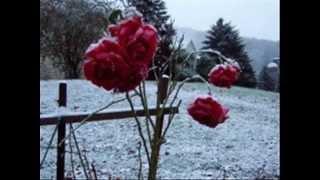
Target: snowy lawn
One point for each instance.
(246, 146)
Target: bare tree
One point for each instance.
(67, 27)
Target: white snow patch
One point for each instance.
(165, 76)
(272, 65)
(245, 142)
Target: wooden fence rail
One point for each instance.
(102, 116)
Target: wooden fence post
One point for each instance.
(61, 132)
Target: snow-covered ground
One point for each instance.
(246, 146)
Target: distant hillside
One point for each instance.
(260, 51)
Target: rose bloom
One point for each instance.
(208, 111)
(138, 38)
(121, 62)
(105, 64)
(224, 75)
(137, 73)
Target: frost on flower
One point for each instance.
(91, 47)
(235, 63)
(218, 66)
(224, 75)
(208, 111)
(95, 45)
(131, 11)
(204, 96)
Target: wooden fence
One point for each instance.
(62, 119)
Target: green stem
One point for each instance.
(139, 126)
(79, 153)
(147, 113)
(140, 176)
(171, 116)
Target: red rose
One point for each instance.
(224, 75)
(105, 64)
(207, 111)
(121, 62)
(125, 29)
(138, 38)
(136, 74)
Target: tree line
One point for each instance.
(67, 27)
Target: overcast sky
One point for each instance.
(253, 18)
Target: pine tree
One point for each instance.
(224, 38)
(155, 13)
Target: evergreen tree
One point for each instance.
(155, 13)
(224, 38)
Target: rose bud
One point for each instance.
(224, 75)
(208, 111)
